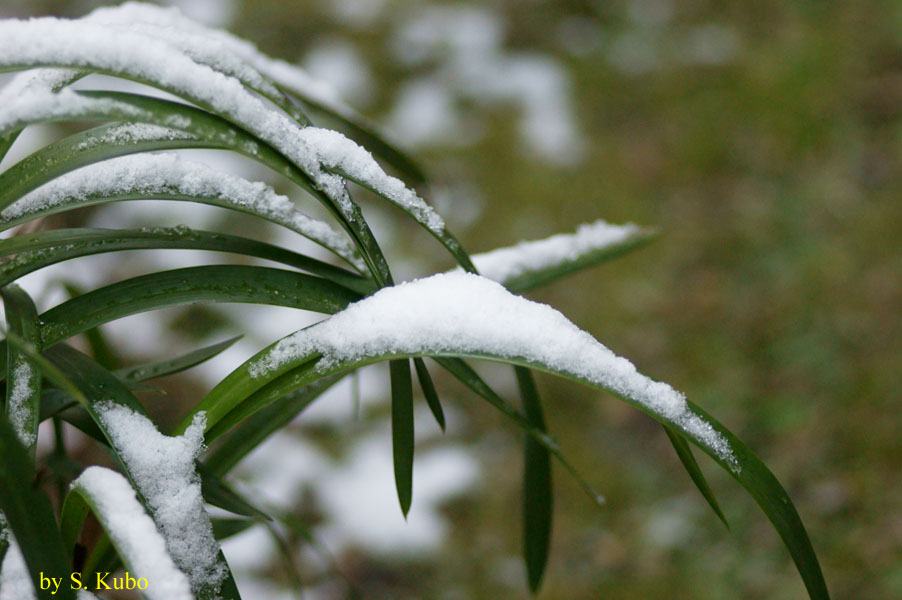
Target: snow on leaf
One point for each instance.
(505, 264)
(460, 313)
(84, 44)
(134, 534)
(166, 174)
(19, 410)
(163, 471)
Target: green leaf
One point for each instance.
(37, 250)
(256, 429)
(743, 465)
(684, 453)
(221, 495)
(540, 275)
(226, 527)
(203, 130)
(175, 365)
(402, 430)
(23, 375)
(214, 283)
(429, 392)
(538, 496)
(101, 349)
(95, 384)
(29, 515)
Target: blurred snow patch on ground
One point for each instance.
(337, 62)
(463, 48)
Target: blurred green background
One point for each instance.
(763, 138)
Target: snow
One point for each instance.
(133, 133)
(337, 63)
(163, 470)
(15, 581)
(81, 44)
(166, 174)
(170, 23)
(463, 313)
(22, 106)
(133, 533)
(506, 264)
(19, 410)
(196, 41)
(338, 153)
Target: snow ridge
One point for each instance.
(167, 174)
(463, 313)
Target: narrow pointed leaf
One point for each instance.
(429, 392)
(184, 126)
(177, 364)
(684, 453)
(531, 264)
(538, 497)
(411, 336)
(402, 430)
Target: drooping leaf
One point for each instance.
(740, 462)
(538, 496)
(533, 264)
(402, 430)
(429, 392)
(684, 453)
(31, 252)
(213, 283)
